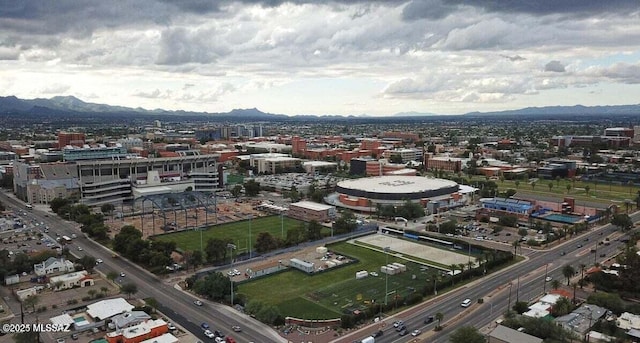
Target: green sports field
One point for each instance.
(237, 231)
(328, 295)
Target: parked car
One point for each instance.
(415, 332)
(198, 303)
(209, 334)
(205, 326)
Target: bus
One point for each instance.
(66, 239)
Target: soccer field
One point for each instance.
(239, 232)
(334, 292)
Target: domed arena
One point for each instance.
(365, 193)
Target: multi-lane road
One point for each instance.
(524, 282)
(176, 304)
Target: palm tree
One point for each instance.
(439, 318)
(568, 272)
(516, 243)
(574, 285)
(582, 268)
(555, 284)
(31, 301)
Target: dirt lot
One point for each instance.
(152, 224)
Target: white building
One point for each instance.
(628, 321)
(76, 279)
(53, 265)
(108, 308)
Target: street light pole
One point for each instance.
(231, 247)
(282, 223)
(544, 285)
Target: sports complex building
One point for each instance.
(365, 194)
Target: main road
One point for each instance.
(524, 281)
(176, 304)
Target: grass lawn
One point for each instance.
(327, 295)
(598, 192)
(237, 231)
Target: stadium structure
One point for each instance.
(365, 194)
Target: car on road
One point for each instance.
(562, 253)
(377, 334)
(209, 334)
(428, 320)
(122, 274)
(205, 326)
(403, 332)
(236, 328)
(218, 333)
(603, 255)
(579, 245)
(219, 340)
(80, 248)
(398, 323)
(99, 260)
(198, 303)
(466, 303)
(415, 332)
(230, 340)
(548, 278)
(401, 327)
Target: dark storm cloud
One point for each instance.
(554, 66)
(433, 9)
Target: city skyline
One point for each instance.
(335, 57)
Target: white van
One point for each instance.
(466, 303)
(29, 207)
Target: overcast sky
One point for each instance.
(323, 57)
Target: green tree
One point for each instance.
(87, 262)
(623, 221)
(251, 188)
(466, 334)
(129, 289)
(236, 190)
(265, 242)
(107, 209)
(550, 185)
(26, 337)
(568, 188)
(215, 286)
(439, 318)
(555, 284)
(314, 231)
(561, 307)
(31, 301)
(196, 259)
(586, 189)
(568, 271)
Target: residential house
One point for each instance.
(70, 280)
(53, 265)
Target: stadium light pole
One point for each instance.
(250, 249)
(386, 279)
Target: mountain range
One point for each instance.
(69, 105)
